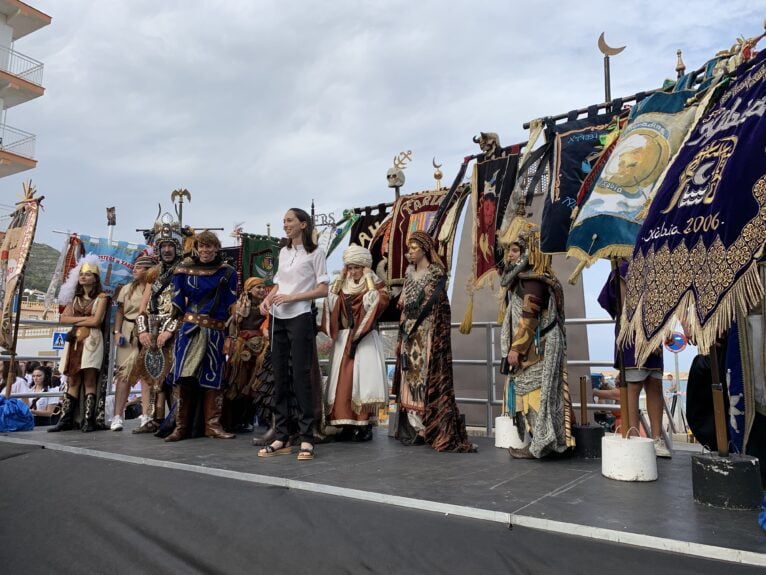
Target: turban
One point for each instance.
(145, 261)
(357, 256)
(427, 244)
(250, 283)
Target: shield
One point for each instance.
(153, 365)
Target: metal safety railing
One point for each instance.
(20, 65)
(17, 141)
(490, 361)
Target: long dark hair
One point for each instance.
(308, 232)
(79, 291)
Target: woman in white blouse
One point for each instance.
(43, 408)
(301, 278)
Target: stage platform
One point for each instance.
(133, 503)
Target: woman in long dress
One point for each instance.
(423, 382)
(358, 385)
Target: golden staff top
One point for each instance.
(180, 194)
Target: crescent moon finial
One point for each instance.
(606, 49)
(435, 165)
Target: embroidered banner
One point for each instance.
(410, 213)
(491, 186)
(116, 260)
(68, 258)
(696, 253)
(14, 253)
(259, 257)
(368, 223)
(576, 145)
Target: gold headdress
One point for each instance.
(526, 235)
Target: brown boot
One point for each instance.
(268, 437)
(181, 431)
(213, 407)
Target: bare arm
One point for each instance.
(98, 314)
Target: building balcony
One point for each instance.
(21, 78)
(17, 150)
(23, 18)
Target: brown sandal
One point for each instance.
(271, 451)
(306, 453)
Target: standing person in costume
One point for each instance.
(534, 343)
(129, 299)
(423, 378)
(358, 382)
(249, 357)
(646, 376)
(204, 293)
(156, 312)
(85, 352)
(301, 278)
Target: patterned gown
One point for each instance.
(427, 387)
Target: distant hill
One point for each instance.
(40, 268)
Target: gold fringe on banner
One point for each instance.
(465, 325)
(743, 295)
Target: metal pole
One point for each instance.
(607, 80)
(12, 368)
(583, 400)
(490, 355)
(718, 407)
(623, 386)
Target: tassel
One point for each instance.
(465, 326)
(576, 273)
(501, 313)
(512, 233)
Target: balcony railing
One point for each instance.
(17, 141)
(20, 65)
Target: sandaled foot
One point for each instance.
(306, 453)
(276, 448)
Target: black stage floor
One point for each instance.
(377, 507)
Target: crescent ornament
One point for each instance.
(606, 49)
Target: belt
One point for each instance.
(249, 333)
(204, 321)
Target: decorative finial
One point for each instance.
(680, 66)
(437, 174)
(395, 175)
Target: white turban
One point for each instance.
(357, 256)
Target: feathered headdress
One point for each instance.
(87, 263)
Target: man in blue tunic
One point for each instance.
(204, 292)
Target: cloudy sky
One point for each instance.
(258, 106)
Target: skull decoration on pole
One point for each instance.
(489, 142)
(395, 175)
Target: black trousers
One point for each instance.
(292, 345)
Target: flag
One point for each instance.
(116, 260)
(368, 223)
(492, 183)
(576, 145)
(698, 250)
(260, 257)
(607, 223)
(14, 254)
(410, 213)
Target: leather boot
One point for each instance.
(89, 420)
(181, 431)
(213, 408)
(269, 437)
(66, 421)
(522, 453)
